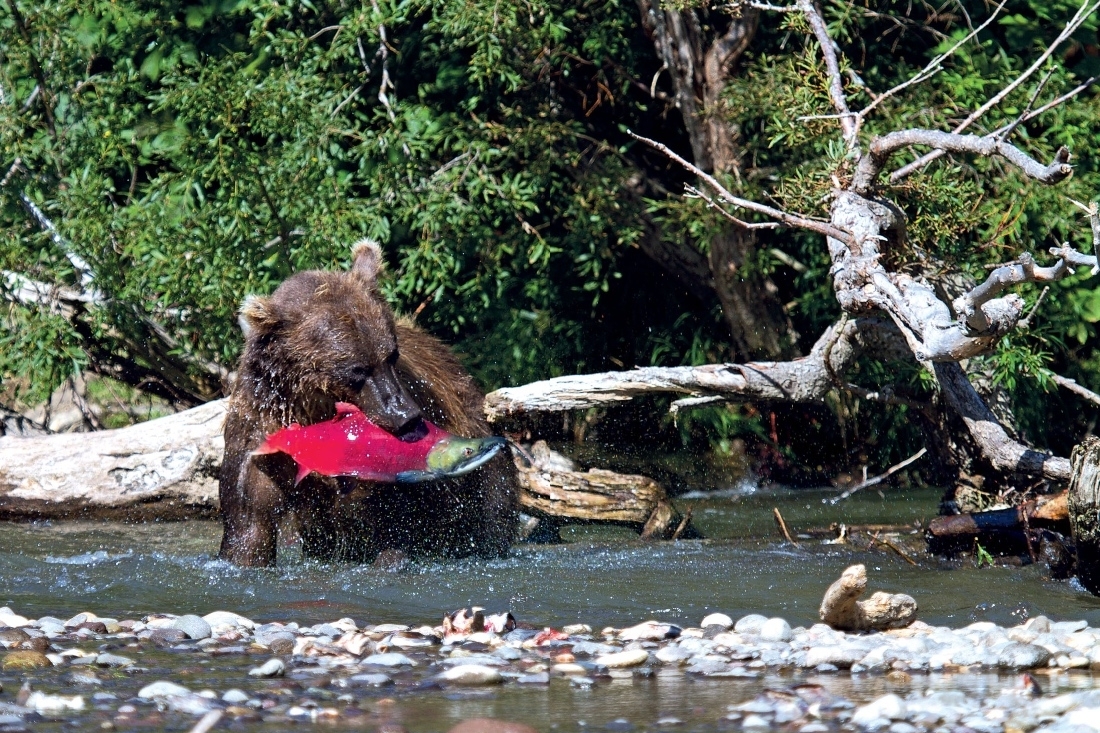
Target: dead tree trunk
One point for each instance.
(1084, 512)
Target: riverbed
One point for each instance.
(597, 577)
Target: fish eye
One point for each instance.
(468, 451)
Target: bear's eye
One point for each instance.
(357, 376)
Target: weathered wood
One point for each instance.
(158, 469)
(1084, 512)
(554, 491)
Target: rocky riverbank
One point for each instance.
(127, 673)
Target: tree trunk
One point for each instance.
(1084, 512)
(699, 73)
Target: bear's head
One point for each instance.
(324, 337)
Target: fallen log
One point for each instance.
(1012, 531)
(160, 469)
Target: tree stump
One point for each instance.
(1084, 511)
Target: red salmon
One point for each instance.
(351, 445)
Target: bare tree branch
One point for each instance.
(1087, 9)
(1077, 389)
(791, 220)
(832, 65)
(871, 164)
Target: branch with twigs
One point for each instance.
(867, 483)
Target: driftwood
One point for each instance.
(1016, 530)
(163, 468)
(556, 493)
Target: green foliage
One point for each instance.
(192, 153)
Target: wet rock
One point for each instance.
(371, 680)
(166, 637)
(887, 707)
(538, 678)
(471, 674)
(717, 619)
(750, 624)
(627, 658)
(775, 629)
(11, 619)
(162, 688)
(389, 659)
(194, 626)
(282, 645)
(23, 660)
(842, 610)
(673, 654)
(508, 653)
(650, 631)
(43, 703)
(592, 648)
(270, 668)
(235, 696)
(10, 637)
(1023, 656)
(569, 669)
(113, 660)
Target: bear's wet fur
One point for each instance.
(324, 337)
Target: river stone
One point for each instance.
(166, 637)
(43, 703)
(370, 680)
(113, 660)
(235, 696)
(889, 707)
(839, 656)
(491, 725)
(194, 626)
(717, 619)
(626, 658)
(13, 636)
(508, 653)
(568, 669)
(775, 629)
(1023, 656)
(750, 624)
(673, 654)
(593, 648)
(162, 688)
(650, 631)
(389, 659)
(270, 668)
(537, 678)
(471, 674)
(12, 619)
(24, 659)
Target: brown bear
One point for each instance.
(324, 337)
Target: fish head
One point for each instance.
(454, 456)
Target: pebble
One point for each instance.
(194, 626)
(162, 688)
(491, 725)
(329, 680)
(270, 668)
(23, 660)
(627, 658)
(717, 619)
(471, 674)
(750, 624)
(389, 659)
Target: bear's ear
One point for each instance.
(366, 261)
(257, 315)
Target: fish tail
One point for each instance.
(302, 473)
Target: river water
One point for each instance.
(598, 576)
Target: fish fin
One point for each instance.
(302, 473)
(413, 477)
(343, 409)
(265, 448)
